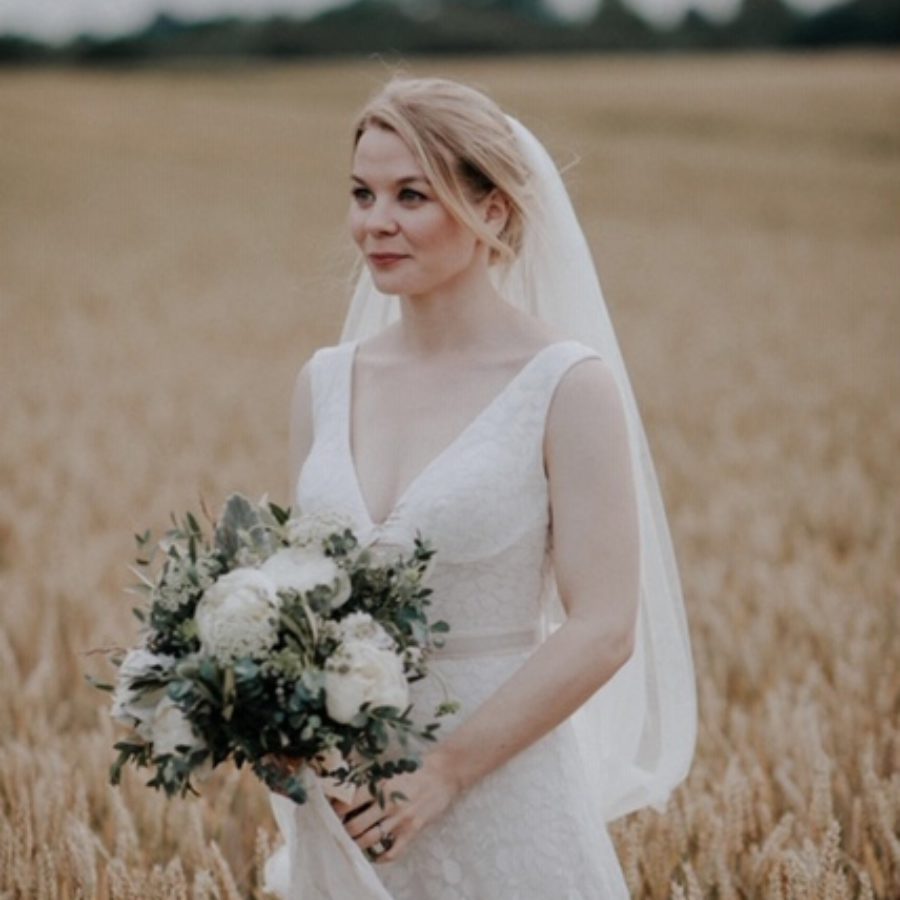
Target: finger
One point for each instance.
(362, 800)
(339, 806)
(357, 808)
(359, 796)
(375, 835)
(396, 851)
(362, 821)
(371, 837)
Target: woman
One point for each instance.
(460, 404)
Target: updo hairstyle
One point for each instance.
(465, 146)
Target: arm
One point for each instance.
(301, 429)
(596, 552)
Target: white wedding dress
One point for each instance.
(525, 831)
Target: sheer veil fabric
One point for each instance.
(636, 735)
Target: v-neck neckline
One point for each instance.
(435, 460)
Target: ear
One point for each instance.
(495, 210)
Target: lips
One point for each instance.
(386, 257)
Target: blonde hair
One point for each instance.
(464, 144)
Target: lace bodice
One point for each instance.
(482, 501)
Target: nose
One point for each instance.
(380, 218)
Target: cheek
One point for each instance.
(354, 224)
(438, 229)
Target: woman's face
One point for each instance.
(394, 210)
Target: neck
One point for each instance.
(460, 315)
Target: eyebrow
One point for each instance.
(406, 180)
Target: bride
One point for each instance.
(478, 396)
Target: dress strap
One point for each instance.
(540, 383)
(328, 383)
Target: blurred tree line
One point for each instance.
(470, 26)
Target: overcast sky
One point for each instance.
(57, 20)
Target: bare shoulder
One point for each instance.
(586, 407)
(587, 386)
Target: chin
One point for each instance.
(402, 284)
(388, 283)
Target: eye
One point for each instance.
(406, 194)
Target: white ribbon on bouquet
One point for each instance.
(319, 860)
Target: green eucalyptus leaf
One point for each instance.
(100, 685)
(240, 523)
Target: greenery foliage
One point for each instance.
(261, 707)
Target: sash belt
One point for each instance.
(487, 642)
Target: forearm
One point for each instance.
(558, 677)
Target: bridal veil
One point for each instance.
(637, 733)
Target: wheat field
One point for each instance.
(173, 249)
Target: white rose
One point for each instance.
(128, 705)
(301, 569)
(238, 616)
(359, 672)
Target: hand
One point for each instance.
(429, 791)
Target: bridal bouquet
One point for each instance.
(273, 637)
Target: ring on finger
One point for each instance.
(385, 842)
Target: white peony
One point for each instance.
(301, 569)
(359, 672)
(128, 705)
(238, 616)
